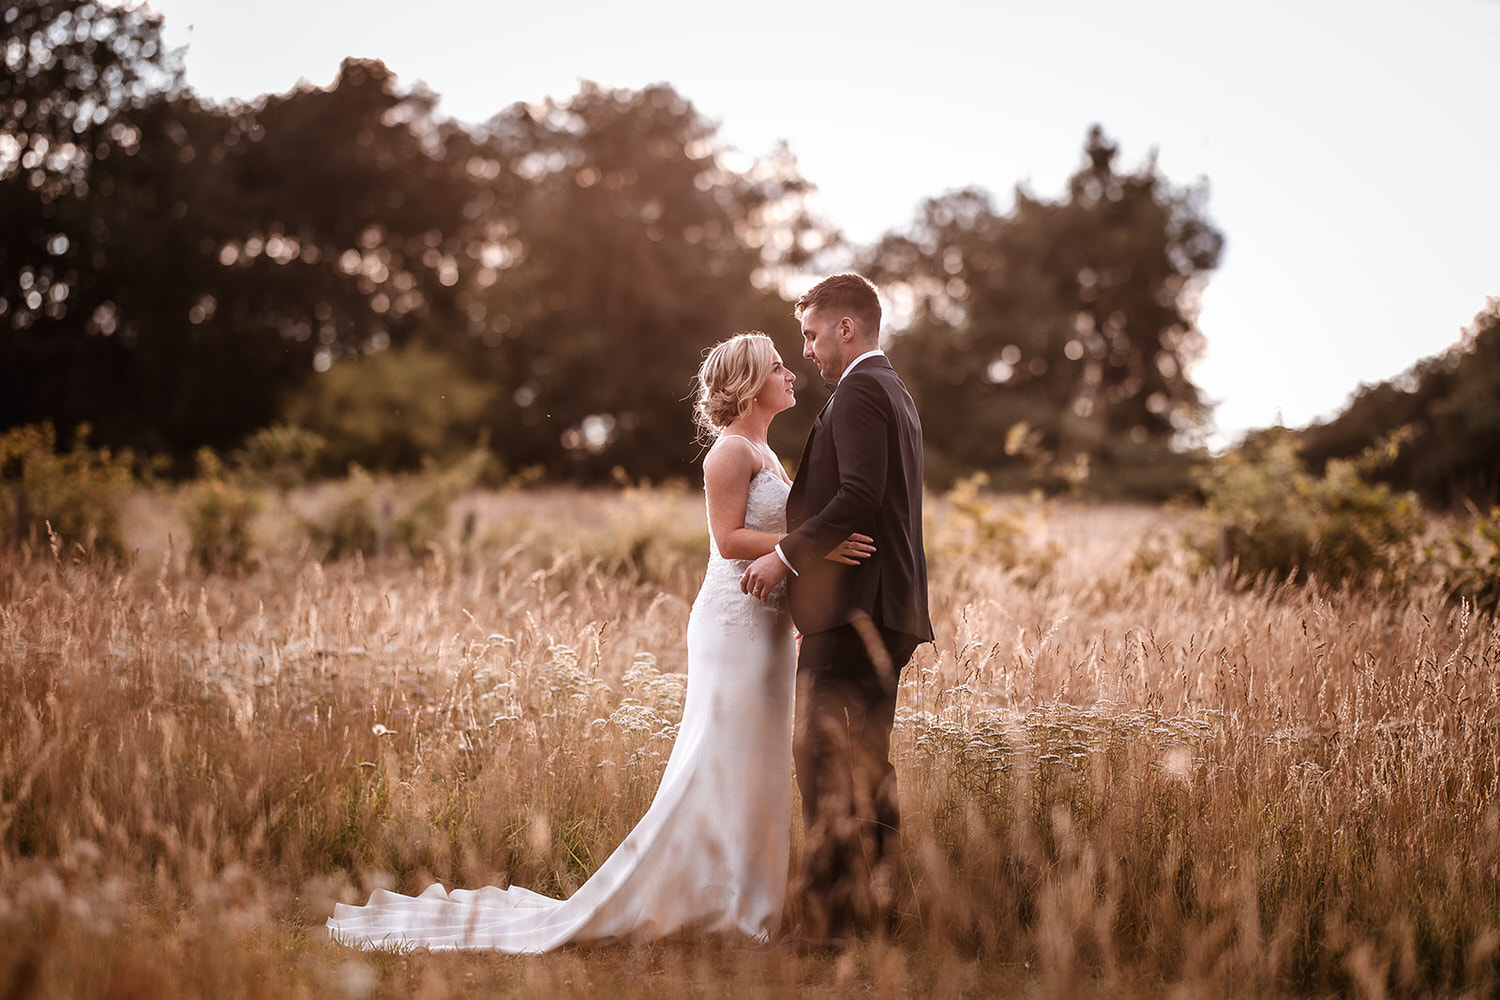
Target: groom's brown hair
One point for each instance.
(846, 294)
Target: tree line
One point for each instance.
(1439, 420)
(177, 274)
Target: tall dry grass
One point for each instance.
(1117, 778)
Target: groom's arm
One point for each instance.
(859, 423)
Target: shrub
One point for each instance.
(218, 517)
(1150, 472)
(393, 410)
(282, 456)
(983, 527)
(353, 521)
(75, 495)
(1469, 560)
(1282, 522)
(648, 538)
(371, 516)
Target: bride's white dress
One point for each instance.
(711, 852)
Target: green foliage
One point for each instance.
(376, 516)
(982, 529)
(645, 538)
(629, 248)
(392, 410)
(1448, 401)
(426, 516)
(282, 456)
(218, 516)
(75, 496)
(1152, 472)
(1469, 560)
(1285, 523)
(567, 262)
(1076, 317)
(356, 520)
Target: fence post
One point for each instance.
(18, 536)
(1224, 559)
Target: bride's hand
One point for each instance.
(852, 550)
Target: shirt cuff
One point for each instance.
(782, 556)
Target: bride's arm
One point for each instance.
(727, 471)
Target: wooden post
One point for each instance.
(1224, 559)
(19, 535)
(383, 528)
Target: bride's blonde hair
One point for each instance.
(728, 380)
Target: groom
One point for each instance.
(861, 471)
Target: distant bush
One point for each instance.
(1150, 472)
(1284, 523)
(218, 516)
(1449, 401)
(352, 521)
(75, 494)
(282, 456)
(376, 516)
(990, 529)
(1119, 469)
(645, 537)
(393, 411)
(1468, 559)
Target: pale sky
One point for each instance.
(1352, 147)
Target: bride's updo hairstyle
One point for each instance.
(728, 380)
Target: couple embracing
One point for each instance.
(838, 551)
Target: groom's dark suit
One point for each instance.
(860, 471)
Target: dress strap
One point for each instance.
(753, 448)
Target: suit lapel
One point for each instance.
(832, 388)
(794, 513)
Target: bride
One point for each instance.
(711, 852)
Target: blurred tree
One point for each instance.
(1064, 329)
(215, 257)
(71, 66)
(142, 349)
(634, 243)
(72, 71)
(371, 199)
(184, 273)
(1451, 452)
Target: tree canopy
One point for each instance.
(1441, 414)
(1064, 329)
(178, 274)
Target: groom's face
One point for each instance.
(821, 343)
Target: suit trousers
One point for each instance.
(846, 705)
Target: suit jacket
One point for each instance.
(861, 470)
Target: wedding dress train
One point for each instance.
(711, 852)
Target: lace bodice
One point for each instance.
(765, 510)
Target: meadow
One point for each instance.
(1119, 777)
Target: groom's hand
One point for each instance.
(853, 550)
(763, 574)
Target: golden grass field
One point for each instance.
(1118, 778)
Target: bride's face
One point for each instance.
(776, 392)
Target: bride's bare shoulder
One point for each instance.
(731, 453)
(729, 467)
